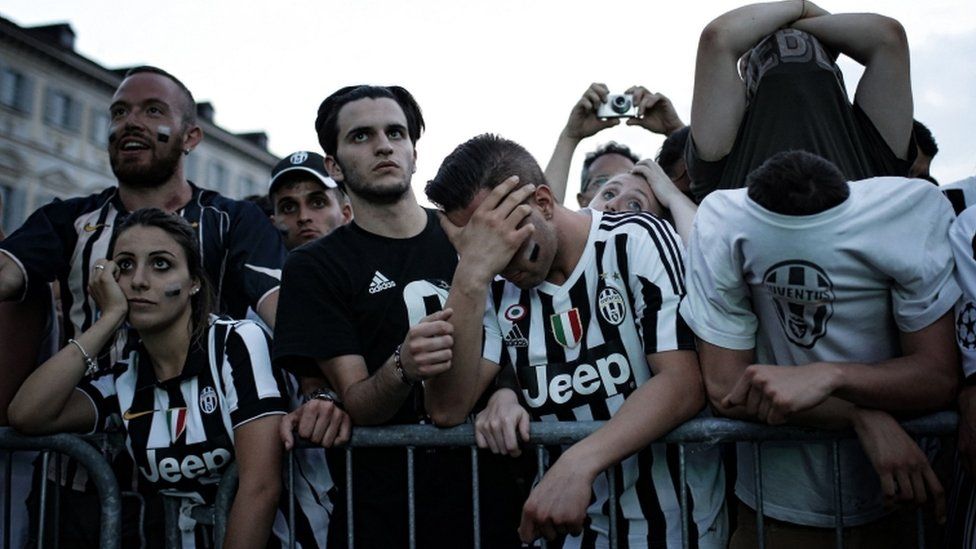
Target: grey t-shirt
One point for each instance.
(836, 286)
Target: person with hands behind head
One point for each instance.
(654, 112)
(192, 389)
(767, 81)
(582, 305)
(826, 303)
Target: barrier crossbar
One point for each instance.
(702, 430)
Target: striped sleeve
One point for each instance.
(251, 389)
(101, 393)
(656, 280)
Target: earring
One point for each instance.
(193, 291)
(186, 151)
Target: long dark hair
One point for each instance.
(202, 302)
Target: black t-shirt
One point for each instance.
(357, 293)
(797, 101)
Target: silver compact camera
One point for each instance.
(617, 105)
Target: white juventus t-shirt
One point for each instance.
(835, 286)
(579, 350)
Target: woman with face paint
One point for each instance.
(195, 392)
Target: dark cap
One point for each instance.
(301, 161)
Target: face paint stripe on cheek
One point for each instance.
(163, 133)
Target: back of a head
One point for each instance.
(482, 162)
(327, 121)
(797, 183)
(924, 139)
(673, 150)
(610, 147)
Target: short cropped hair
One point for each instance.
(924, 139)
(797, 183)
(611, 147)
(327, 121)
(482, 162)
(673, 150)
(189, 106)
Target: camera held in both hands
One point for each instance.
(617, 105)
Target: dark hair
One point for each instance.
(673, 150)
(327, 121)
(611, 147)
(797, 183)
(189, 106)
(482, 162)
(262, 201)
(184, 235)
(924, 139)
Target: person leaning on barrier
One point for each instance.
(365, 306)
(827, 303)
(789, 93)
(961, 527)
(195, 392)
(655, 114)
(153, 128)
(586, 314)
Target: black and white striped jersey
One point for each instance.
(180, 432)
(242, 251)
(579, 349)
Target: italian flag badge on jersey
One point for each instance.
(176, 418)
(567, 328)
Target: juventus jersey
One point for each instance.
(579, 351)
(242, 252)
(180, 432)
(836, 286)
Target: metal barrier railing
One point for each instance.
(705, 430)
(711, 430)
(99, 471)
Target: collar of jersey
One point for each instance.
(196, 363)
(585, 258)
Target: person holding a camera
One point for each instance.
(598, 110)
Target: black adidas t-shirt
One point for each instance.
(357, 293)
(797, 101)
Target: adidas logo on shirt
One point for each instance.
(380, 283)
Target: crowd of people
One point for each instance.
(785, 259)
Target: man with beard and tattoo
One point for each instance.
(367, 306)
(153, 126)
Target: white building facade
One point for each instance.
(54, 125)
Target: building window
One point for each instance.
(217, 177)
(248, 186)
(12, 214)
(191, 167)
(16, 90)
(61, 110)
(98, 129)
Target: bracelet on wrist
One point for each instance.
(91, 365)
(328, 395)
(398, 368)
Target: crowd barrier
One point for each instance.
(710, 430)
(99, 472)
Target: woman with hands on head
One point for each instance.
(195, 392)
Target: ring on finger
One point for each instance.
(99, 267)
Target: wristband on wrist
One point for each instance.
(398, 368)
(91, 366)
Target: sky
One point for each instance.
(511, 67)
